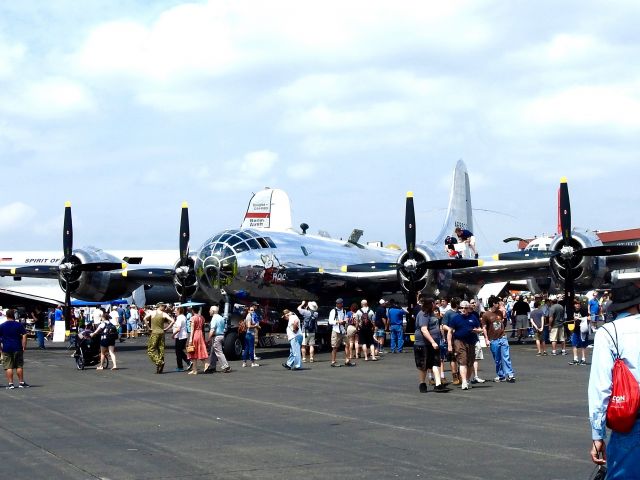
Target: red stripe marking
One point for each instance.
(257, 215)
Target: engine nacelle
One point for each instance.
(96, 286)
(588, 272)
(185, 281)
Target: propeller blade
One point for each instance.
(513, 239)
(67, 306)
(569, 294)
(410, 224)
(99, 266)
(184, 234)
(369, 267)
(564, 211)
(525, 255)
(450, 264)
(607, 250)
(67, 233)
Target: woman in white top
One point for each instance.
(181, 335)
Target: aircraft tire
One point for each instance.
(232, 346)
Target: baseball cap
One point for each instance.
(339, 300)
(382, 301)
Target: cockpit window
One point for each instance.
(243, 235)
(253, 243)
(241, 247)
(224, 238)
(263, 243)
(270, 242)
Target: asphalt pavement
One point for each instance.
(267, 422)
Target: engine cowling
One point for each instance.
(587, 271)
(95, 286)
(408, 266)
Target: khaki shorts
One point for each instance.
(336, 339)
(557, 334)
(351, 333)
(465, 353)
(539, 336)
(309, 338)
(12, 360)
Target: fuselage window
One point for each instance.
(263, 243)
(270, 242)
(234, 240)
(243, 235)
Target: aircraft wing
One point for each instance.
(503, 271)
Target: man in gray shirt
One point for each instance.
(556, 325)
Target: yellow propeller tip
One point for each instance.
(480, 263)
(321, 270)
(13, 271)
(409, 194)
(184, 205)
(125, 273)
(563, 180)
(67, 204)
(343, 268)
(124, 265)
(495, 257)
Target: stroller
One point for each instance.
(88, 351)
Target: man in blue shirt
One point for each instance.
(14, 343)
(466, 236)
(396, 317)
(462, 335)
(594, 309)
(622, 455)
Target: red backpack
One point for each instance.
(624, 402)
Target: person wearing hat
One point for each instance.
(337, 320)
(155, 346)
(622, 454)
(309, 312)
(462, 336)
(294, 335)
(382, 324)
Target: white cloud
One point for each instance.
(49, 98)
(258, 164)
(15, 215)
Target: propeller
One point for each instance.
(70, 267)
(569, 256)
(184, 270)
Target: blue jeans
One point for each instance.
(397, 338)
(40, 338)
(295, 357)
(249, 344)
(623, 455)
(500, 352)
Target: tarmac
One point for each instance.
(270, 423)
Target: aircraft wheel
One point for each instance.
(232, 346)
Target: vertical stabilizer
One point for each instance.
(459, 213)
(269, 208)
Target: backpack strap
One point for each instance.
(615, 342)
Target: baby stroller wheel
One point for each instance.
(80, 362)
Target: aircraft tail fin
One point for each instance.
(459, 213)
(269, 209)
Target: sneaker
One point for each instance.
(244, 364)
(545, 354)
(478, 380)
(254, 364)
(440, 388)
(11, 386)
(465, 386)
(554, 353)
(227, 370)
(311, 360)
(24, 385)
(423, 388)
(582, 362)
(574, 362)
(564, 352)
(539, 354)
(499, 379)
(511, 379)
(286, 366)
(304, 360)
(255, 357)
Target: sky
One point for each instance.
(129, 108)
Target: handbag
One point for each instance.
(191, 348)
